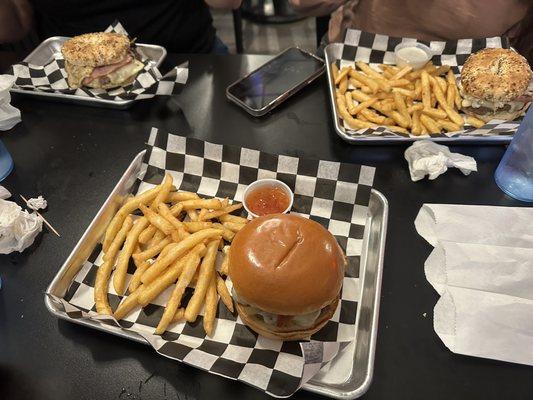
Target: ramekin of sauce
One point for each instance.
(414, 55)
(267, 196)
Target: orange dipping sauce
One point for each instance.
(268, 199)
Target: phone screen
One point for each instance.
(275, 78)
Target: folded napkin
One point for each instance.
(500, 226)
(482, 266)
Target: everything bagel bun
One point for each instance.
(96, 49)
(287, 273)
(494, 84)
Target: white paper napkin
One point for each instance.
(492, 326)
(500, 226)
(495, 269)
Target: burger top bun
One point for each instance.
(96, 49)
(496, 75)
(285, 264)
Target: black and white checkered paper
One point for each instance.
(52, 77)
(379, 49)
(334, 194)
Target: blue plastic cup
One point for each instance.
(514, 175)
(6, 162)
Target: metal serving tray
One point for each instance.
(348, 376)
(51, 48)
(333, 53)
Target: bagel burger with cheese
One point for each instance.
(495, 84)
(100, 60)
(287, 273)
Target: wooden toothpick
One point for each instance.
(44, 220)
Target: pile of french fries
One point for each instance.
(175, 242)
(419, 102)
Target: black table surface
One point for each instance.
(74, 155)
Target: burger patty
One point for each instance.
(486, 110)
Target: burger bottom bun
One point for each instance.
(95, 84)
(503, 115)
(259, 326)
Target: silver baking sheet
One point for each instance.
(348, 376)
(51, 48)
(332, 54)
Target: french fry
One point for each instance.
(205, 278)
(224, 267)
(434, 113)
(176, 251)
(448, 126)
(223, 291)
(415, 107)
(130, 206)
(147, 234)
(372, 116)
(407, 93)
(227, 234)
(401, 73)
(334, 71)
(210, 310)
(118, 240)
(346, 116)
(151, 251)
(127, 305)
(399, 82)
(218, 213)
(173, 303)
(426, 90)
(401, 107)
(211, 204)
(180, 315)
(153, 289)
(452, 114)
(119, 277)
(361, 106)
(349, 103)
(104, 271)
(165, 212)
(429, 123)
(192, 214)
(175, 197)
(400, 119)
(415, 128)
(135, 281)
(368, 70)
(166, 186)
(195, 226)
(341, 75)
(424, 129)
(397, 129)
(450, 96)
(442, 84)
(475, 122)
(367, 81)
(366, 89)
(355, 83)
(158, 237)
(343, 86)
(157, 220)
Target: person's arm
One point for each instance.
(316, 8)
(16, 17)
(234, 4)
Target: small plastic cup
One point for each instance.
(267, 182)
(415, 59)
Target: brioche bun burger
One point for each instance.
(494, 85)
(100, 60)
(287, 273)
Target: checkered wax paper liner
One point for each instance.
(149, 82)
(379, 49)
(334, 194)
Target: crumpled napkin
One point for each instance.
(9, 115)
(18, 228)
(4, 193)
(429, 158)
(37, 203)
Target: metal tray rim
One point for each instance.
(78, 98)
(503, 139)
(352, 394)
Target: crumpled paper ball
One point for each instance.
(9, 115)
(37, 203)
(18, 228)
(429, 158)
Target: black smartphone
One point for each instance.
(268, 86)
